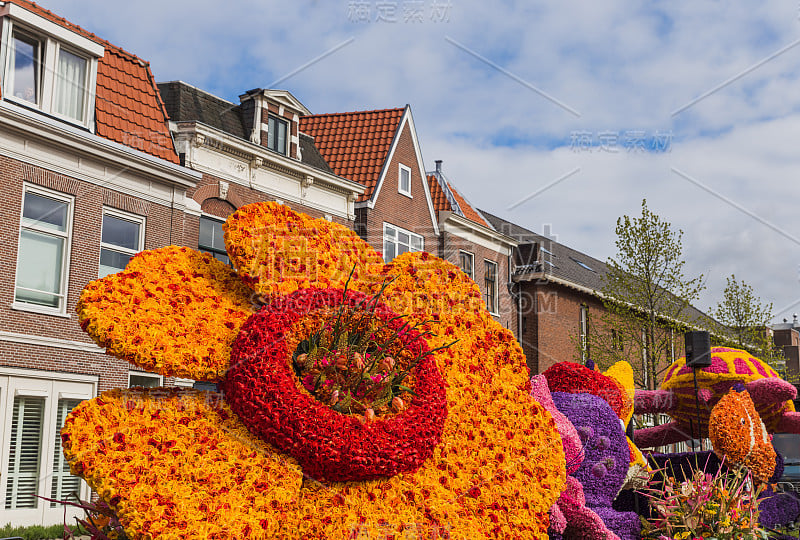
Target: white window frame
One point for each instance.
(53, 39)
(471, 255)
(400, 169)
(204, 248)
(493, 310)
(145, 375)
(51, 387)
(141, 221)
(386, 238)
(61, 310)
(287, 138)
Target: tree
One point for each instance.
(646, 299)
(747, 318)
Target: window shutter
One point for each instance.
(25, 452)
(64, 484)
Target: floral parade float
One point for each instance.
(358, 398)
(676, 396)
(597, 407)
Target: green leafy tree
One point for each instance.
(746, 319)
(646, 299)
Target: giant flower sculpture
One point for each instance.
(346, 409)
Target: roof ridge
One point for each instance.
(79, 29)
(355, 112)
(193, 87)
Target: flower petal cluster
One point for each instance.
(178, 464)
(328, 445)
(173, 311)
(577, 379)
(496, 471)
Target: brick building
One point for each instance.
(406, 209)
(90, 177)
(560, 305)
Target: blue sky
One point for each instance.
(501, 92)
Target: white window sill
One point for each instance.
(32, 308)
(406, 194)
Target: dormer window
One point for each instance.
(276, 134)
(48, 67)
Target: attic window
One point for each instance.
(404, 180)
(276, 134)
(47, 66)
(582, 264)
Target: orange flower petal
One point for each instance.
(173, 311)
(278, 251)
(178, 464)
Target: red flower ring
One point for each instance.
(261, 387)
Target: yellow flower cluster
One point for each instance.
(173, 311)
(179, 466)
(278, 251)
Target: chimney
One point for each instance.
(439, 166)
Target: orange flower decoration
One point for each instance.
(738, 434)
(180, 464)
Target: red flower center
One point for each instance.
(287, 403)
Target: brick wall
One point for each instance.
(450, 245)
(163, 226)
(551, 326)
(410, 213)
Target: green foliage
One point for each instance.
(646, 299)
(746, 318)
(36, 532)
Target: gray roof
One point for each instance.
(537, 253)
(185, 103)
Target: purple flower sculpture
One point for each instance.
(605, 463)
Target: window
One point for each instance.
(404, 180)
(583, 332)
(212, 239)
(276, 134)
(33, 407)
(121, 239)
(616, 340)
(466, 261)
(144, 380)
(48, 66)
(44, 243)
(490, 285)
(25, 64)
(397, 241)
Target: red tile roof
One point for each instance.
(128, 106)
(355, 144)
(440, 202)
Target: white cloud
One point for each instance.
(622, 67)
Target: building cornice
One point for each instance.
(256, 154)
(493, 236)
(59, 135)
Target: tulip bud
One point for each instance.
(387, 364)
(397, 404)
(369, 415)
(301, 359)
(335, 397)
